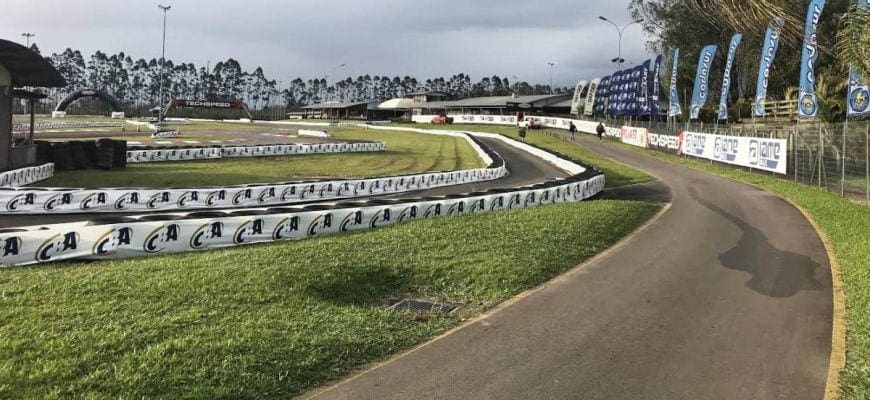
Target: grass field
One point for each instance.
(616, 173)
(270, 321)
(406, 153)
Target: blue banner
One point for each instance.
(655, 107)
(643, 103)
(702, 80)
(808, 104)
(726, 79)
(601, 96)
(858, 101)
(768, 53)
(674, 108)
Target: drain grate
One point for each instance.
(423, 306)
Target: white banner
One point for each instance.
(634, 136)
(27, 175)
(590, 97)
(575, 102)
(759, 153)
(148, 236)
(204, 153)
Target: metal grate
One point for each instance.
(423, 306)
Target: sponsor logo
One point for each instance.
(126, 199)
(207, 234)
(858, 100)
(407, 214)
(186, 198)
(808, 104)
(248, 230)
(57, 246)
(765, 153)
(26, 199)
(321, 223)
(242, 196)
(158, 200)
(285, 228)
(434, 210)
(725, 148)
(352, 220)
(56, 201)
(695, 144)
(266, 195)
(456, 208)
(664, 141)
(157, 240)
(12, 246)
(214, 197)
(111, 240)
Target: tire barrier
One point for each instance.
(159, 234)
(130, 200)
(158, 154)
(65, 125)
(26, 175)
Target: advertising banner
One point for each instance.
(601, 98)
(576, 101)
(207, 104)
(768, 53)
(665, 143)
(759, 153)
(27, 175)
(655, 106)
(643, 92)
(208, 153)
(858, 95)
(634, 136)
(674, 108)
(808, 104)
(589, 107)
(726, 78)
(702, 80)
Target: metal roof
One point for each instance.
(335, 105)
(500, 101)
(27, 67)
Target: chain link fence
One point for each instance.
(831, 156)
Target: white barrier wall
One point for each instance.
(143, 237)
(65, 200)
(205, 153)
(27, 175)
(759, 153)
(309, 132)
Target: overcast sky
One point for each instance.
(308, 38)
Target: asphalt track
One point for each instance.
(727, 295)
(524, 169)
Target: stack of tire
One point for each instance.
(73, 155)
(62, 157)
(105, 154)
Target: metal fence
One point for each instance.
(831, 156)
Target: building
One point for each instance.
(369, 111)
(428, 97)
(21, 67)
(559, 104)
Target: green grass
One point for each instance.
(271, 321)
(617, 174)
(406, 153)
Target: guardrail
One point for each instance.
(40, 126)
(158, 234)
(142, 154)
(27, 175)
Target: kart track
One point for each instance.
(726, 295)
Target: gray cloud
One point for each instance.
(424, 38)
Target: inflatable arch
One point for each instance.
(113, 102)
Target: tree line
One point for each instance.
(136, 83)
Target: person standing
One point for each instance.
(573, 129)
(600, 131)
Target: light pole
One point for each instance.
(619, 31)
(162, 62)
(516, 85)
(27, 36)
(335, 75)
(552, 64)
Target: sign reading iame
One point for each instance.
(759, 153)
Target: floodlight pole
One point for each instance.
(551, 64)
(619, 31)
(162, 62)
(335, 76)
(27, 36)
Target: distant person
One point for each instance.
(600, 130)
(573, 129)
(522, 133)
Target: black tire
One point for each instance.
(120, 154)
(43, 151)
(90, 148)
(60, 153)
(79, 158)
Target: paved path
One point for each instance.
(726, 296)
